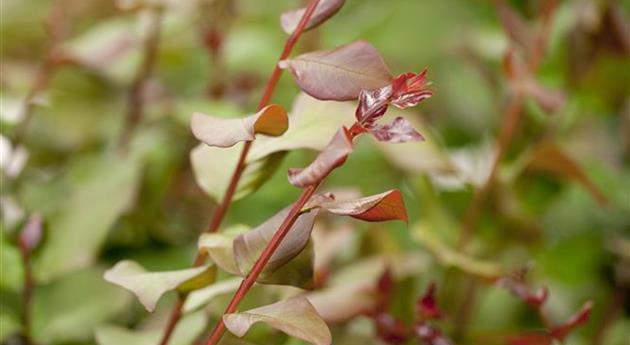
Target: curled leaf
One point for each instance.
(339, 74)
(249, 246)
(272, 120)
(330, 158)
(324, 10)
(294, 316)
(219, 247)
(375, 208)
(150, 286)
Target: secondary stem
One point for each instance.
(271, 247)
(135, 101)
(221, 209)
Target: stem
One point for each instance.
(135, 101)
(27, 290)
(271, 247)
(221, 209)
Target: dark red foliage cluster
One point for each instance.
(406, 90)
(393, 331)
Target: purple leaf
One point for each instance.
(427, 307)
(325, 9)
(409, 89)
(517, 284)
(339, 74)
(330, 158)
(399, 131)
(31, 233)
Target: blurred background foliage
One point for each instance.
(214, 56)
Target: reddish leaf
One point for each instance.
(31, 233)
(516, 27)
(531, 339)
(339, 74)
(330, 158)
(578, 319)
(272, 120)
(409, 89)
(390, 329)
(399, 131)
(372, 105)
(375, 208)
(325, 9)
(384, 289)
(427, 307)
(517, 284)
(548, 157)
(429, 335)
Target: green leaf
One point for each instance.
(102, 189)
(198, 298)
(186, 332)
(70, 308)
(311, 125)
(449, 257)
(150, 286)
(294, 316)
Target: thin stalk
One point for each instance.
(221, 209)
(135, 98)
(27, 290)
(262, 260)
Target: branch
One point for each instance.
(221, 209)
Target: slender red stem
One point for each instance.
(221, 209)
(271, 247)
(27, 289)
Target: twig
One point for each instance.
(135, 100)
(221, 209)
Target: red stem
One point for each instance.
(27, 289)
(271, 247)
(221, 209)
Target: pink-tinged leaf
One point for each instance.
(548, 157)
(516, 27)
(531, 339)
(390, 329)
(325, 9)
(294, 316)
(339, 74)
(272, 120)
(427, 307)
(249, 246)
(409, 89)
(399, 131)
(330, 158)
(375, 208)
(517, 284)
(31, 233)
(429, 335)
(384, 289)
(581, 317)
(406, 90)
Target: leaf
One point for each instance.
(450, 257)
(150, 286)
(68, 309)
(376, 208)
(339, 74)
(249, 246)
(581, 317)
(311, 124)
(517, 284)
(399, 131)
(294, 316)
(325, 9)
(101, 190)
(427, 306)
(548, 157)
(31, 234)
(185, 333)
(330, 158)
(198, 298)
(297, 272)
(272, 120)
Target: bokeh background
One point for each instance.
(99, 206)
